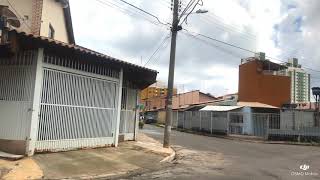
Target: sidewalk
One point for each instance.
(89, 164)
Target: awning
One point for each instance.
(256, 105)
(220, 108)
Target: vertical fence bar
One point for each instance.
(137, 117)
(36, 105)
(267, 127)
(116, 134)
(211, 122)
(184, 119)
(228, 122)
(200, 129)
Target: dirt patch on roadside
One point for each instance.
(3, 172)
(200, 160)
(22, 169)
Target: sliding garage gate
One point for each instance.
(77, 109)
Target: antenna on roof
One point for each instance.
(7, 18)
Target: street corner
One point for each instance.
(25, 168)
(204, 159)
(149, 144)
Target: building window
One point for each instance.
(51, 32)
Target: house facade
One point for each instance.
(46, 18)
(57, 96)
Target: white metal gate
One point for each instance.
(235, 120)
(77, 110)
(16, 91)
(128, 117)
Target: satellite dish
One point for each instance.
(12, 19)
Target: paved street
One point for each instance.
(201, 157)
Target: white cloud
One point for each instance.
(208, 66)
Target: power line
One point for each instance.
(163, 48)
(238, 47)
(125, 11)
(186, 8)
(204, 36)
(146, 12)
(194, 6)
(211, 17)
(166, 37)
(219, 41)
(213, 45)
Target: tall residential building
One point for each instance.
(47, 18)
(300, 82)
(262, 81)
(157, 89)
(179, 101)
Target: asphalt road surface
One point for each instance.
(202, 157)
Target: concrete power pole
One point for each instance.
(174, 32)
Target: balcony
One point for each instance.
(275, 73)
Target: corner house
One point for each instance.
(56, 96)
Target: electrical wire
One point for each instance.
(163, 48)
(238, 47)
(150, 14)
(125, 11)
(204, 36)
(186, 8)
(213, 45)
(164, 39)
(195, 5)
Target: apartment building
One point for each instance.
(300, 82)
(263, 81)
(158, 89)
(179, 101)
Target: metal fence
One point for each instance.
(210, 122)
(295, 126)
(288, 126)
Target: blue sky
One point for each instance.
(281, 28)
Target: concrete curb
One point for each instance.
(169, 158)
(10, 157)
(247, 140)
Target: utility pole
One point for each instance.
(174, 31)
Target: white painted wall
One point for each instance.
(247, 121)
(52, 13)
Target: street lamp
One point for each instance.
(199, 11)
(316, 94)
